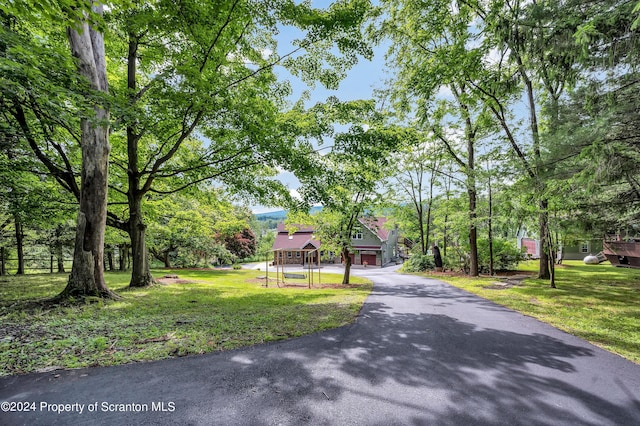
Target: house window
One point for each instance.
(289, 254)
(298, 254)
(357, 234)
(584, 247)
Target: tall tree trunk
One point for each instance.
(469, 170)
(446, 218)
(471, 190)
(428, 224)
(423, 242)
(543, 216)
(122, 256)
(110, 259)
(432, 180)
(3, 256)
(60, 256)
(473, 235)
(59, 248)
(554, 124)
(87, 275)
(141, 273)
(551, 258)
(544, 272)
(19, 245)
(490, 224)
(347, 265)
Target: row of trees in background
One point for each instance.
(532, 94)
(501, 118)
(199, 229)
(524, 107)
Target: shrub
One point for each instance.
(418, 263)
(456, 259)
(506, 255)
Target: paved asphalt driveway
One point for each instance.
(421, 352)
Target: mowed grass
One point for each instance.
(599, 303)
(217, 310)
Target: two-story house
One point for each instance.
(372, 244)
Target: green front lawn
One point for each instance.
(216, 310)
(599, 303)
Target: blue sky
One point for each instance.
(360, 83)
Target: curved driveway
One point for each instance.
(421, 352)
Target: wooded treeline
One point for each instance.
(530, 102)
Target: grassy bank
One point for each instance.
(205, 311)
(599, 303)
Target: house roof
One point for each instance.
(296, 241)
(376, 225)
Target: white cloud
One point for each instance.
(295, 194)
(266, 53)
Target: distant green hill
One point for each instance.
(277, 215)
(281, 215)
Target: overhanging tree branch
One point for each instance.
(64, 177)
(205, 178)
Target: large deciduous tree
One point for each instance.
(54, 97)
(87, 271)
(202, 70)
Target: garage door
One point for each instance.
(369, 258)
